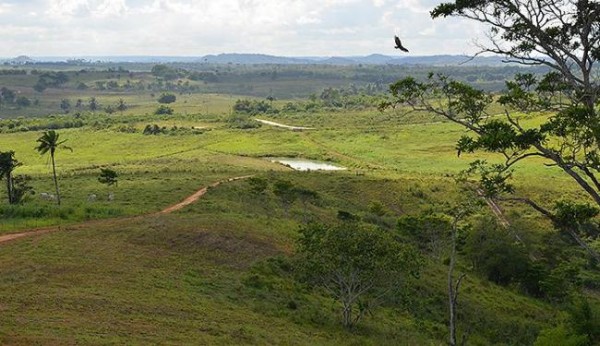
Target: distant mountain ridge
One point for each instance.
(257, 59)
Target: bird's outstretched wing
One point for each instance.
(399, 44)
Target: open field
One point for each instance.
(218, 270)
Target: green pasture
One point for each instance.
(158, 170)
(206, 274)
(201, 276)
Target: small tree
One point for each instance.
(23, 101)
(109, 110)
(167, 98)
(258, 185)
(284, 190)
(8, 163)
(93, 104)
(108, 177)
(163, 110)
(305, 196)
(65, 105)
(121, 106)
(21, 188)
(356, 265)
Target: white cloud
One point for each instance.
(110, 8)
(199, 27)
(379, 3)
(5, 8)
(60, 8)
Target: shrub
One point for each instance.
(162, 109)
(167, 98)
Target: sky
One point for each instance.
(79, 28)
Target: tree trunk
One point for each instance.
(453, 288)
(9, 188)
(55, 179)
(451, 293)
(347, 315)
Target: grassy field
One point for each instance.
(214, 272)
(200, 276)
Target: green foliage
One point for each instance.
(48, 143)
(164, 71)
(153, 130)
(167, 98)
(377, 208)
(561, 281)
(494, 253)
(108, 177)
(109, 110)
(253, 107)
(7, 95)
(50, 79)
(121, 106)
(93, 104)
(569, 139)
(574, 214)
(258, 185)
(21, 188)
(65, 105)
(23, 101)
(356, 265)
(8, 163)
(162, 109)
(559, 336)
(585, 320)
(431, 232)
(242, 121)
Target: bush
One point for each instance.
(559, 336)
(167, 98)
(153, 130)
(242, 121)
(253, 107)
(23, 101)
(162, 109)
(493, 253)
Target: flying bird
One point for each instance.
(399, 44)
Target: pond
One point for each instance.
(305, 165)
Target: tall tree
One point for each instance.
(48, 143)
(457, 213)
(8, 163)
(564, 36)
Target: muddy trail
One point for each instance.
(172, 208)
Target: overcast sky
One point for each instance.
(200, 27)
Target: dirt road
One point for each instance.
(189, 200)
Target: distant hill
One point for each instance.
(257, 59)
(441, 60)
(250, 59)
(20, 60)
(373, 59)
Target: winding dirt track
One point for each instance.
(189, 200)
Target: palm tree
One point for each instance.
(48, 142)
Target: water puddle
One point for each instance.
(305, 165)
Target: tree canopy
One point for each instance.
(357, 265)
(564, 36)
